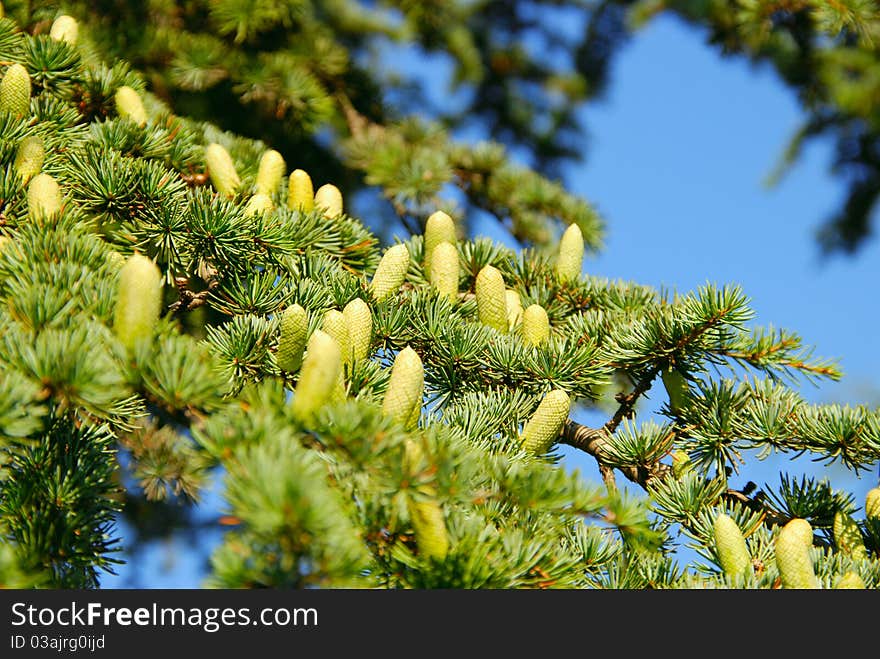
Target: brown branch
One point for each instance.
(593, 441)
(358, 124)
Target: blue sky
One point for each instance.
(678, 151)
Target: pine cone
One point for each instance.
(359, 321)
(318, 377)
(329, 198)
(542, 429)
(300, 194)
(535, 325)
(294, 331)
(29, 158)
(571, 253)
(129, 105)
(271, 171)
(15, 91)
(391, 272)
(731, 547)
(138, 300)
(491, 298)
(221, 170)
(444, 270)
(405, 388)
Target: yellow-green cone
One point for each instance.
(444, 271)
(4, 241)
(439, 228)
(292, 342)
(29, 158)
(129, 105)
(115, 259)
(514, 308)
(535, 325)
(730, 545)
(359, 321)
(802, 529)
(258, 204)
(429, 527)
(542, 429)
(271, 171)
(793, 559)
(15, 91)
(221, 169)
(872, 503)
(335, 325)
(43, 197)
(300, 194)
(850, 581)
(138, 300)
(319, 375)
(404, 393)
(848, 537)
(681, 463)
(571, 253)
(391, 272)
(491, 298)
(676, 388)
(329, 198)
(65, 28)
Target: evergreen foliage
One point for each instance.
(423, 457)
(290, 72)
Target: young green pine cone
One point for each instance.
(429, 528)
(329, 198)
(848, 537)
(292, 342)
(444, 271)
(138, 300)
(491, 298)
(676, 388)
(359, 321)
(872, 503)
(542, 429)
(29, 158)
(802, 529)
(391, 272)
(43, 197)
(571, 253)
(535, 325)
(258, 204)
(850, 581)
(221, 170)
(514, 308)
(300, 195)
(793, 559)
(681, 463)
(731, 548)
(270, 173)
(438, 229)
(318, 377)
(335, 325)
(426, 514)
(15, 91)
(129, 105)
(404, 393)
(64, 28)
